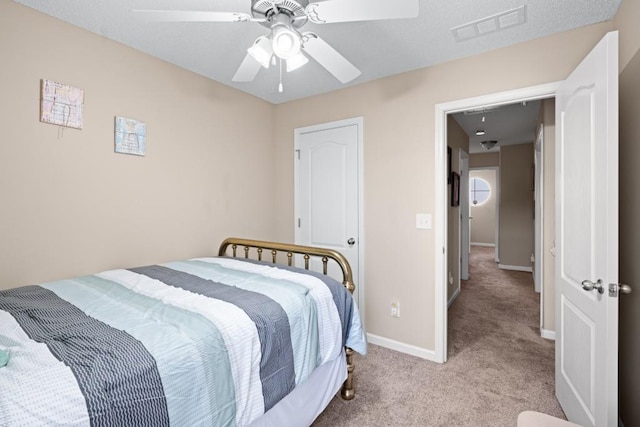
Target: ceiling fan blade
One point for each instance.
(192, 16)
(330, 11)
(329, 58)
(248, 70)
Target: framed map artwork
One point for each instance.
(130, 136)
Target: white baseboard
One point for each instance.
(420, 352)
(453, 297)
(486, 245)
(550, 335)
(515, 267)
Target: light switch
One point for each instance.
(423, 221)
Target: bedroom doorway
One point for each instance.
(328, 192)
(442, 197)
(495, 306)
(586, 134)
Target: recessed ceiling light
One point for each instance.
(480, 132)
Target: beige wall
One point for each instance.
(71, 206)
(483, 160)
(548, 119)
(516, 205)
(483, 224)
(627, 23)
(458, 140)
(68, 205)
(399, 153)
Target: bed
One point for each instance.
(244, 338)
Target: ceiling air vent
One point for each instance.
(490, 24)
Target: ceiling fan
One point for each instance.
(285, 42)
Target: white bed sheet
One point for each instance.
(303, 405)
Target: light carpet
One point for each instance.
(498, 365)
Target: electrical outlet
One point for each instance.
(395, 308)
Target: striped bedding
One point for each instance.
(208, 341)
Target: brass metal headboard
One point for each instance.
(290, 250)
(307, 252)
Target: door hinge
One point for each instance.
(298, 222)
(298, 154)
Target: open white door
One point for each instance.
(465, 217)
(587, 239)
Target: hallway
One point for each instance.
(494, 325)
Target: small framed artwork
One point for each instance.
(61, 104)
(455, 189)
(130, 136)
(448, 165)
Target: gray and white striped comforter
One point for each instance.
(210, 341)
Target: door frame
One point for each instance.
(531, 93)
(359, 123)
(539, 219)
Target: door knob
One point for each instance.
(588, 285)
(351, 241)
(619, 288)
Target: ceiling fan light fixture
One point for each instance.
(284, 19)
(488, 145)
(262, 51)
(286, 42)
(296, 62)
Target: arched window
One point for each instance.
(479, 191)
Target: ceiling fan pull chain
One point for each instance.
(280, 87)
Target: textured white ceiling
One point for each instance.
(377, 48)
